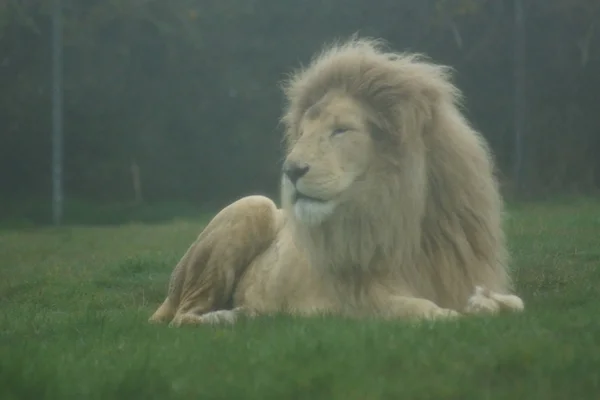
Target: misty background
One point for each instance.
(178, 101)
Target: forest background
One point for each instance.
(178, 101)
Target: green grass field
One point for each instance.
(75, 302)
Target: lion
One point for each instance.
(390, 207)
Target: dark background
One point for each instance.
(188, 90)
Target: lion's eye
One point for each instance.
(339, 131)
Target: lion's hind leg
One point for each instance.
(485, 301)
(206, 276)
(164, 313)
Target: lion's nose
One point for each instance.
(295, 170)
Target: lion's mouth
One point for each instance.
(301, 196)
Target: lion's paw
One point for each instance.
(485, 301)
(219, 317)
(442, 313)
(481, 303)
(211, 318)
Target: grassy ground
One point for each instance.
(74, 303)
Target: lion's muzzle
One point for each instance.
(295, 170)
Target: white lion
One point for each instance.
(390, 206)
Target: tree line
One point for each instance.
(179, 100)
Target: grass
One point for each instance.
(74, 303)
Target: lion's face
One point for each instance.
(332, 150)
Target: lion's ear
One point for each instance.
(401, 119)
(414, 116)
(381, 134)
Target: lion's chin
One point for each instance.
(312, 212)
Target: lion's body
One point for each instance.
(280, 280)
(389, 206)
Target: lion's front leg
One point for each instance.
(414, 307)
(213, 317)
(485, 301)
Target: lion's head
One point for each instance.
(354, 126)
(382, 167)
(330, 156)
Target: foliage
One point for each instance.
(75, 302)
(188, 89)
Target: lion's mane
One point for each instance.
(431, 223)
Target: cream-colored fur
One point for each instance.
(405, 215)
